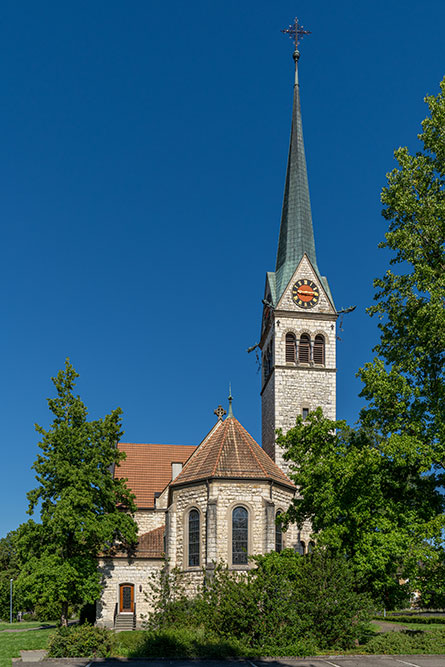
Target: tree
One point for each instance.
(405, 384)
(372, 492)
(84, 510)
(364, 503)
(9, 569)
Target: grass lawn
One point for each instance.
(11, 643)
(383, 625)
(25, 624)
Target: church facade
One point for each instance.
(218, 501)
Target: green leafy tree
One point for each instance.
(405, 384)
(84, 510)
(9, 569)
(372, 492)
(365, 501)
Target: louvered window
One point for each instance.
(278, 535)
(291, 347)
(193, 538)
(240, 535)
(319, 350)
(304, 349)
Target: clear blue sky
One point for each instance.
(143, 154)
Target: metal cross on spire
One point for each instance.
(296, 32)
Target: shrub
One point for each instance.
(286, 605)
(408, 641)
(81, 641)
(179, 643)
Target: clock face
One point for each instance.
(305, 293)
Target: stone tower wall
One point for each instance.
(292, 386)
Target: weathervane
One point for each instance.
(296, 32)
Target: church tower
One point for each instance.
(298, 331)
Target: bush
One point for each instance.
(179, 643)
(407, 642)
(287, 605)
(81, 641)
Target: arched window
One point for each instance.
(240, 535)
(319, 349)
(291, 347)
(278, 535)
(193, 538)
(304, 349)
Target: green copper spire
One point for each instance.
(230, 413)
(296, 232)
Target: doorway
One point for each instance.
(126, 598)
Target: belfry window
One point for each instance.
(278, 535)
(319, 349)
(304, 349)
(240, 535)
(291, 348)
(193, 538)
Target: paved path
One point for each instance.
(325, 661)
(39, 627)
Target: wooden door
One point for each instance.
(126, 598)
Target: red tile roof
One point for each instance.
(148, 468)
(230, 452)
(151, 544)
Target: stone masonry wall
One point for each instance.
(116, 571)
(185, 499)
(293, 386)
(149, 520)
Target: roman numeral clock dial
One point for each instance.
(305, 293)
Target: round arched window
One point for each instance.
(304, 349)
(240, 536)
(193, 538)
(319, 349)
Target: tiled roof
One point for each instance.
(151, 544)
(148, 468)
(230, 452)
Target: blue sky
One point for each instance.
(143, 157)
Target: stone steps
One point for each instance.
(125, 622)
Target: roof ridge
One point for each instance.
(252, 449)
(219, 451)
(198, 450)
(274, 465)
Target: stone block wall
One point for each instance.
(149, 519)
(116, 571)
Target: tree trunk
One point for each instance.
(64, 615)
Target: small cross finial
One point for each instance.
(220, 412)
(296, 32)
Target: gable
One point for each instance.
(306, 271)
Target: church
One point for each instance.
(200, 505)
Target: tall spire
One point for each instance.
(296, 232)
